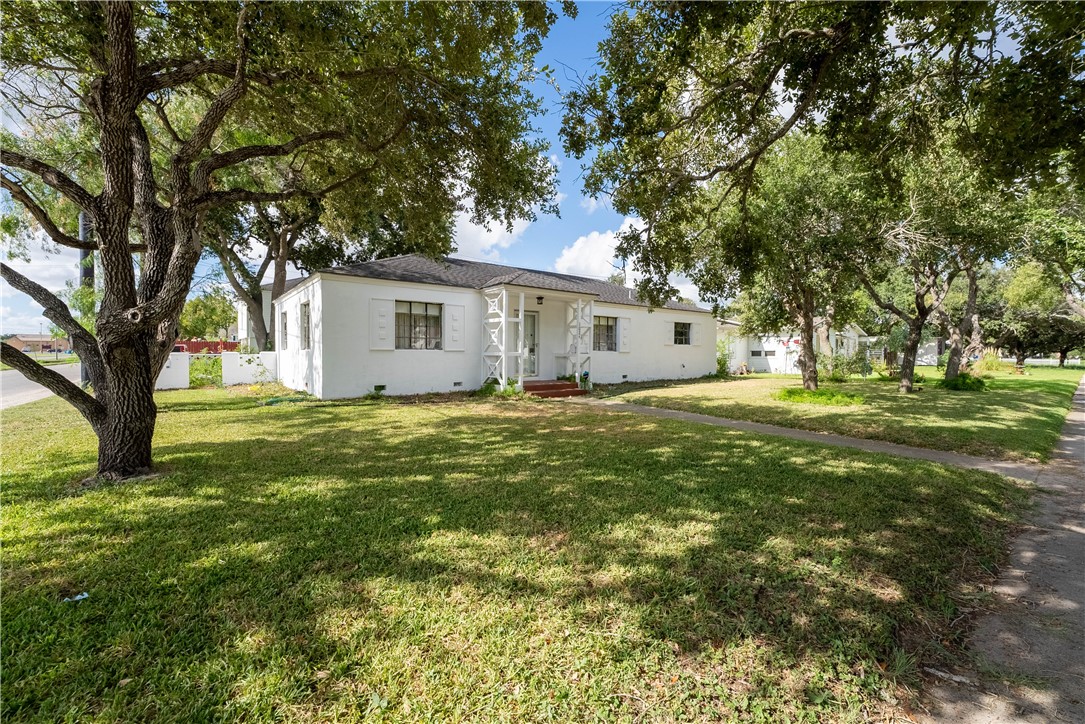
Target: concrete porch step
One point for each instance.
(574, 392)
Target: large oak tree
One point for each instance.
(175, 98)
(785, 246)
(691, 95)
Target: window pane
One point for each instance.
(605, 334)
(418, 325)
(681, 332)
(403, 327)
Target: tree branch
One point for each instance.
(246, 153)
(55, 310)
(222, 104)
(88, 407)
(883, 303)
(52, 176)
(42, 216)
(232, 196)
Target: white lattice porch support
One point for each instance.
(579, 317)
(495, 336)
(503, 351)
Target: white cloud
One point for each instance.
(559, 197)
(556, 161)
(49, 268)
(478, 242)
(592, 255)
(591, 205)
(686, 288)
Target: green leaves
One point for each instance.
(208, 316)
(693, 95)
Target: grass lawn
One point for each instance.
(1016, 417)
(472, 560)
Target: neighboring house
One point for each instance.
(410, 324)
(928, 353)
(38, 343)
(243, 332)
(780, 353)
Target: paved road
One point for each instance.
(17, 390)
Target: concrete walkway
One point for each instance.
(1029, 649)
(1020, 471)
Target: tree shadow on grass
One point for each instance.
(731, 567)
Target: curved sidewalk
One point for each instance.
(1021, 471)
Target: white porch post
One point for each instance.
(579, 335)
(520, 345)
(503, 380)
(589, 330)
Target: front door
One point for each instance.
(531, 347)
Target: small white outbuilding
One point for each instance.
(410, 324)
(779, 353)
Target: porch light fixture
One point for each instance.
(538, 300)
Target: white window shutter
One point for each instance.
(695, 333)
(454, 328)
(625, 330)
(382, 324)
(668, 333)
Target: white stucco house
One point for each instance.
(245, 334)
(779, 354)
(411, 324)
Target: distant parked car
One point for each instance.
(27, 350)
(180, 348)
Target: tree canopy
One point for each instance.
(692, 93)
(207, 316)
(173, 111)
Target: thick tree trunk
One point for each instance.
(264, 339)
(955, 347)
(907, 360)
(825, 345)
(957, 332)
(808, 361)
(125, 436)
(1063, 353)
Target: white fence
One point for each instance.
(1042, 361)
(174, 375)
(237, 369)
(247, 369)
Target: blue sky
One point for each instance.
(581, 241)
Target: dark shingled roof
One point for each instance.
(290, 284)
(451, 272)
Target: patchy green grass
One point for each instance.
(1016, 417)
(466, 561)
(49, 361)
(823, 396)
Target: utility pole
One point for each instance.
(86, 278)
